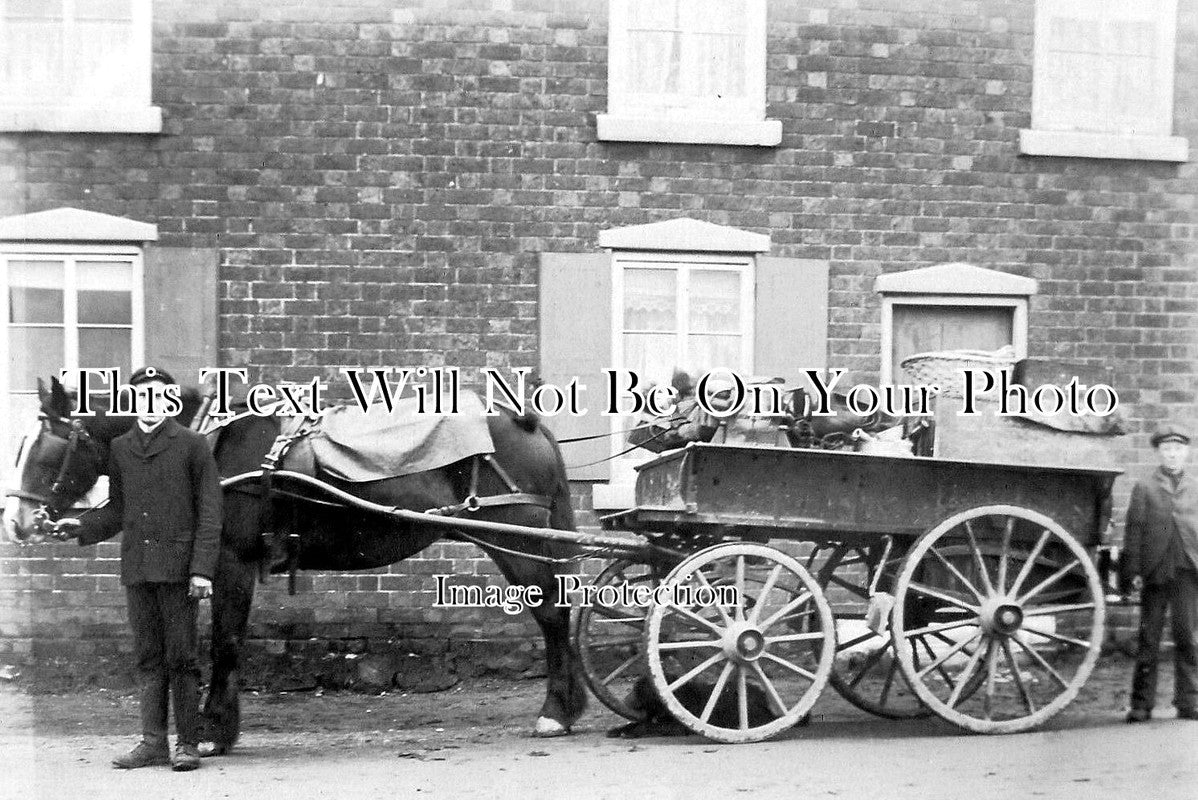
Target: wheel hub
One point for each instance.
(744, 643)
(1001, 617)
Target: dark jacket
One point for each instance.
(1155, 512)
(166, 497)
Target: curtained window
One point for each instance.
(1103, 80)
(687, 71)
(76, 65)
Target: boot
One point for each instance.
(144, 755)
(186, 758)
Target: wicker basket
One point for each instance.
(946, 368)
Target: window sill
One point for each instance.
(63, 119)
(762, 133)
(1101, 145)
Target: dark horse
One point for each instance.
(335, 537)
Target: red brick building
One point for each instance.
(566, 186)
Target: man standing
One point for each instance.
(1160, 557)
(164, 493)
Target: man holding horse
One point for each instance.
(165, 494)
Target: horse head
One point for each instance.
(61, 460)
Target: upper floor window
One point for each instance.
(76, 65)
(1103, 80)
(690, 71)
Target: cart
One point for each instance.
(747, 578)
(914, 585)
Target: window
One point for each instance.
(674, 294)
(76, 65)
(1103, 80)
(950, 307)
(690, 71)
(692, 313)
(689, 312)
(64, 309)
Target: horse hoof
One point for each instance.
(547, 728)
(210, 749)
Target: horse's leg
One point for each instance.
(232, 595)
(565, 692)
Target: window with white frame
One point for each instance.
(1102, 82)
(76, 65)
(65, 309)
(676, 312)
(689, 71)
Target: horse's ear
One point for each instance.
(60, 401)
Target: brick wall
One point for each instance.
(380, 177)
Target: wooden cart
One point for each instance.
(914, 585)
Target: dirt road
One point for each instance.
(472, 742)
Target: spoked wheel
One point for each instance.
(745, 670)
(608, 635)
(1015, 607)
(866, 671)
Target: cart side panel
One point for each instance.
(807, 493)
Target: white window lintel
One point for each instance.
(74, 225)
(684, 235)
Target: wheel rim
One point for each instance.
(1017, 607)
(609, 639)
(749, 671)
(866, 671)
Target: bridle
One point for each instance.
(78, 435)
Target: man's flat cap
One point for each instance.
(1168, 432)
(147, 374)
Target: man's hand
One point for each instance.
(200, 587)
(63, 530)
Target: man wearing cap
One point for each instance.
(164, 493)
(1160, 557)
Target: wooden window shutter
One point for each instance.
(181, 310)
(576, 331)
(790, 318)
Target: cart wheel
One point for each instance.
(866, 672)
(1017, 609)
(744, 671)
(608, 637)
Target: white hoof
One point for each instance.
(547, 728)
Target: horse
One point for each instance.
(311, 534)
(42, 455)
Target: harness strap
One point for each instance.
(472, 503)
(77, 434)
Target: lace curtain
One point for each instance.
(692, 48)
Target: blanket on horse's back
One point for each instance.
(359, 446)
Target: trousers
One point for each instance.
(1180, 597)
(163, 618)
